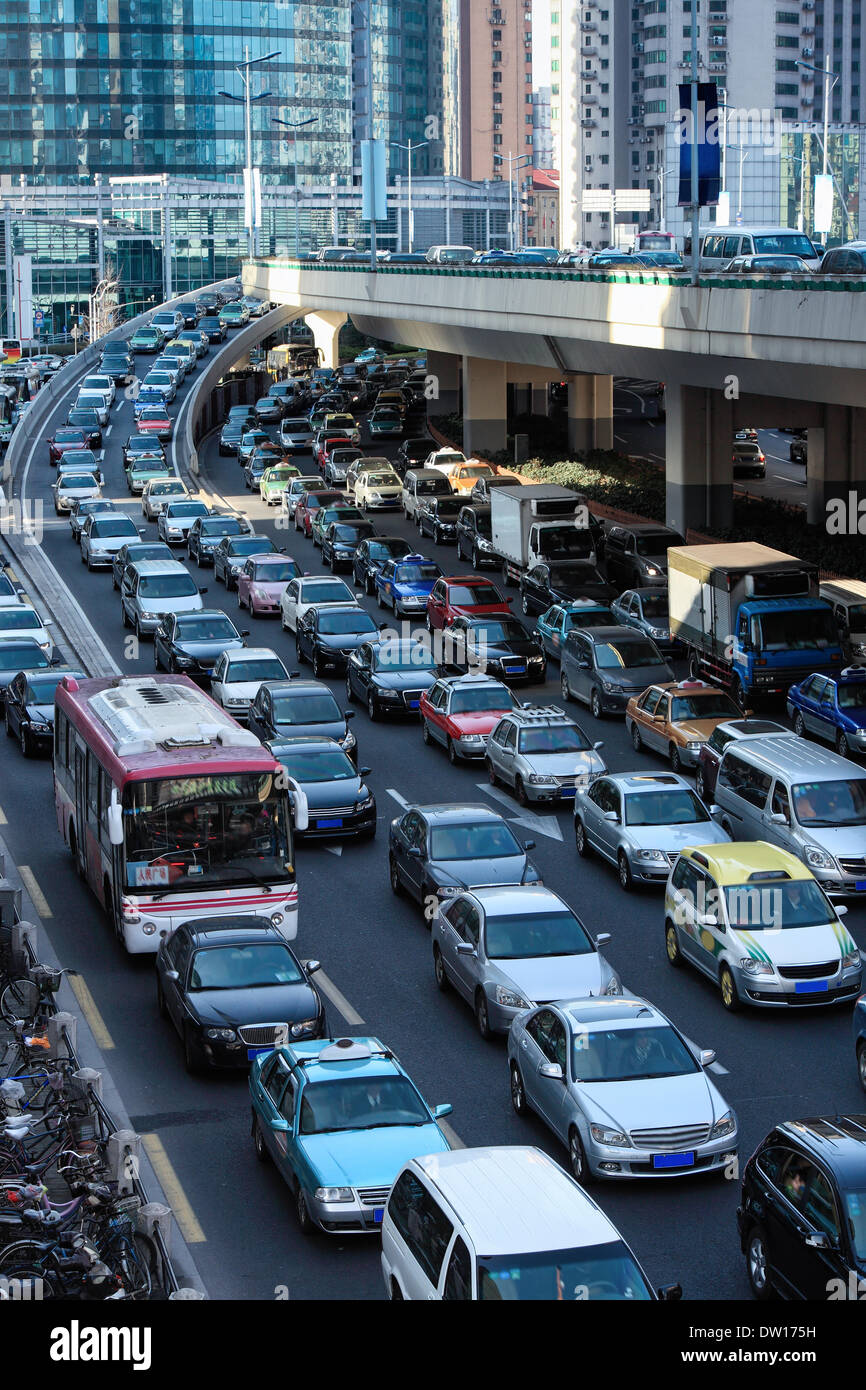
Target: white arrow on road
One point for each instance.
(539, 825)
(334, 849)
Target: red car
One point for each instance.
(341, 438)
(154, 420)
(66, 437)
(468, 595)
(307, 506)
(460, 711)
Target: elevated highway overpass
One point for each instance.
(732, 352)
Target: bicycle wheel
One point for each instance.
(19, 1001)
(132, 1258)
(26, 1260)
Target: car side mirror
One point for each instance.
(706, 1056)
(245, 632)
(596, 746)
(364, 771)
(841, 910)
(415, 851)
(670, 1293)
(817, 1240)
(603, 938)
(708, 919)
(715, 810)
(311, 966)
(778, 818)
(552, 1070)
(440, 1111)
(612, 816)
(529, 844)
(172, 975)
(465, 948)
(202, 589)
(349, 713)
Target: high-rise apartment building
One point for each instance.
(493, 71)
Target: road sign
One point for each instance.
(38, 318)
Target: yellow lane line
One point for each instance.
(94, 1018)
(40, 902)
(3, 820)
(174, 1193)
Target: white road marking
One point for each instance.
(398, 798)
(795, 482)
(621, 437)
(334, 849)
(539, 825)
(107, 431)
(338, 999)
(714, 1066)
(451, 1134)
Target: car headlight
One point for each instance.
(653, 569)
(726, 1125)
(693, 746)
(510, 999)
(851, 961)
(613, 986)
(661, 634)
(755, 967)
(221, 1034)
(655, 856)
(609, 685)
(389, 695)
(539, 780)
(818, 858)
(348, 740)
(184, 660)
(611, 1138)
(334, 1194)
(861, 732)
(366, 803)
(306, 1025)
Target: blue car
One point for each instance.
(404, 585)
(554, 625)
(340, 1119)
(833, 708)
(148, 395)
(860, 1038)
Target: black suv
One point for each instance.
(802, 1213)
(636, 557)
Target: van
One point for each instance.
(450, 255)
(153, 588)
(720, 244)
(422, 482)
(847, 598)
(503, 1224)
(335, 253)
(804, 799)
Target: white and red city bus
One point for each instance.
(651, 240)
(172, 810)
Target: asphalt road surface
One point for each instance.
(376, 955)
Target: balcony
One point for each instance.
(589, 50)
(588, 122)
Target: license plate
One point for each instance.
(860, 885)
(810, 987)
(514, 670)
(414, 704)
(329, 824)
(673, 1160)
(253, 1052)
(378, 1214)
(567, 791)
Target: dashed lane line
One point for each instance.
(40, 902)
(339, 1000)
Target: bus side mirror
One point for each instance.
(115, 819)
(298, 799)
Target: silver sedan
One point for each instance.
(640, 822)
(622, 1088)
(506, 949)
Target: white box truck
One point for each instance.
(539, 523)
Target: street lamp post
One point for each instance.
(410, 148)
(243, 69)
(830, 80)
(294, 127)
(514, 161)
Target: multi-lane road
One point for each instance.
(378, 976)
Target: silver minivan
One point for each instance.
(804, 799)
(153, 588)
(422, 482)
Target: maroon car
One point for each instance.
(87, 420)
(713, 747)
(309, 503)
(66, 437)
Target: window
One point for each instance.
(781, 805)
(276, 1080)
(820, 1206)
(744, 780)
(458, 1279)
(93, 771)
(423, 1226)
(61, 737)
(287, 1104)
(787, 40)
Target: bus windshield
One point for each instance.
(186, 833)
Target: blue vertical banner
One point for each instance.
(373, 191)
(706, 121)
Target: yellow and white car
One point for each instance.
(378, 491)
(757, 921)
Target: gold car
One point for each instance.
(464, 476)
(676, 718)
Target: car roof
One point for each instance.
(634, 783)
(248, 653)
(216, 931)
(800, 760)
(609, 634)
(603, 1011)
(840, 1140)
(150, 567)
(736, 863)
(298, 687)
(689, 687)
(469, 679)
(516, 1200)
(524, 897)
(443, 813)
(362, 1056)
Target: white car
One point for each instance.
(307, 482)
(70, 487)
(158, 492)
(239, 673)
(443, 460)
(175, 367)
(304, 593)
(95, 400)
(24, 621)
(102, 535)
(10, 597)
(168, 321)
(176, 517)
(100, 382)
(162, 382)
(379, 490)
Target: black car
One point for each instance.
(636, 557)
(437, 517)
(501, 647)
(341, 540)
(192, 642)
(339, 804)
(119, 367)
(411, 454)
(474, 534)
(30, 707)
(192, 312)
(798, 449)
(326, 636)
(233, 989)
(232, 552)
(206, 533)
(211, 326)
(87, 420)
(544, 585)
(231, 435)
(372, 554)
(141, 444)
(390, 675)
(289, 709)
(436, 851)
(483, 486)
(134, 551)
(802, 1213)
(21, 654)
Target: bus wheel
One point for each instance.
(73, 849)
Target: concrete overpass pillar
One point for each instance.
(443, 376)
(326, 325)
(699, 471)
(484, 405)
(836, 464)
(590, 412)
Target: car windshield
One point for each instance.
(319, 765)
(186, 509)
(19, 619)
(156, 550)
(778, 905)
(353, 534)
(473, 595)
(785, 243)
(142, 464)
(656, 542)
(167, 586)
(382, 479)
(250, 545)
(243, 967)
(678, 806)
(713, 706)
(278, 572)
(153, 413)
(597, 1272)
(114, 526)
(627, 653)
(428, 486)
(262, 668)
(166, 489)
(508, 630)
(417, 574)
(333, 624)
(531, 935)
(478, 840)
(336, 592)
(227, 527)
(489, 698)
(831, 803)
(358, 1102)
(562, 739)
(296, 427)
(307, 709)
(74, 480)
(281, 475)
(655, 606)
(41, 691)
(22, 657)
(403, 656)
(797, 630)
(631, 1054)
(447, 506)
(198, 629)
(600, 617)
(852, 696)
